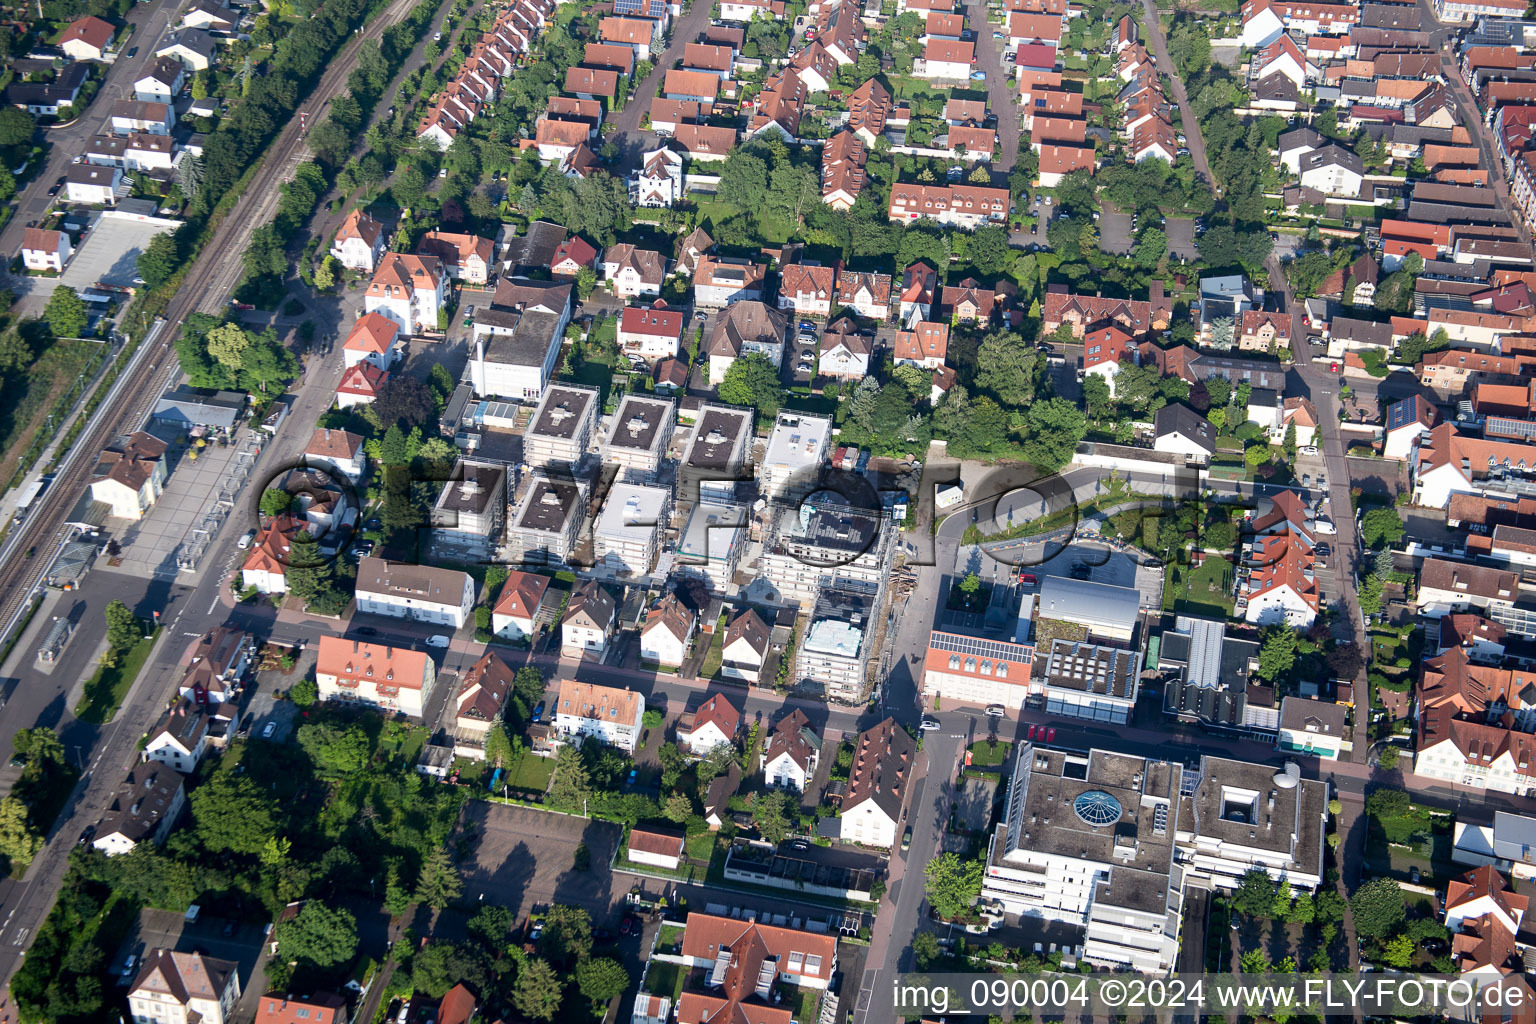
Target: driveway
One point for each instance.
(1195, 141)
(989, 58)
(633, 142)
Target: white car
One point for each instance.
(245, 541)
(266, 733)
(928, 724)
(437, 640)
(996, 711)
(1310, 449)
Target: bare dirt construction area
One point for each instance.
(522, 856)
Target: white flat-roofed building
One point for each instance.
(1108, 613)
(823, 543)
(1109, 842)
(1089, 681)
(712, 544)
(422, 593)
(718, 452)
(624, 539)
(1240, 816)
(472, 508)
(562, 426)
(835, 652)
(547, 520)
(638, 435)
(972, 670)
(797, 447)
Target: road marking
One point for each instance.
(21, 937)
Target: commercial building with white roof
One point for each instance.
(797, 447)
(624, 537)
(1107, 612)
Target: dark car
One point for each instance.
(374, 524)
(366, 631)
(133, 51)
(538, 712)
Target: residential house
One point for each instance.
(194, 47)
(869, 108)
(285, 1008)
(844, 351)
(744, 328)
(588, 620)
(184, 988)
(807, 289)
(421, 593)
(87, 38)
(668, 632)
(604, 713)
(662, 848)
(792, 752)
(877, 784)
(1264, 332)
(1182, 431)
(1332, 170)
(1406, 421)
(659, 180)
(842, 169)
(482, 698)
(544, 526)
(633, 272)
(373, 339)
(185, 733)
(466, 258)
(1314, 728)
(337, 450)
(359, 243)
(651, 332)
(410, 290)
(470, 510)
(265, 568)
(968, 302)
(91, 185)
(719, 281)
(130, 475)
(626, 536)
(515, 616)
(716, 722)
(867, 294)
(925, 345)
(143, 809)
(919, 284)
(572, 256)
(744, 647)
(393, 679)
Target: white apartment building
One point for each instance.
(972, 670)
(638, 435)
(816, 545)
(834, 655)
(421, 593)
(712, 544)
(604, 713)
(625, 536)
(410, 290)
(547, 520)
(471, 509)
(797, 448)
(562, 426)
(391, 678)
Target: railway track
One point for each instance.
(207, 288)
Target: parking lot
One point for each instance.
(523, 856)
(1036, 235)
(1115, 231)
(108, 254)
(228, 939)
(1181, 237)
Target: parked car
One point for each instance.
(437, 640)
(245, 540)
(806, 325)
(129, 964)
(538, 712)
(266, 733)
(1028, 579)
(133, 51)
(906, 839)
(978, 76)
(928, 724)
(1050, 735)
(996, 711)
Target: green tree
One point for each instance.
(158, 263)
(1387, 803)
(970, 584)
(770, 816)
(18, 839)
(65, 313)
(122, 630)
(538, 990)
(1055, 427)
(1150, 248)
(926, 948)
(1377, 906)
(1255, 895)
(1382, 526)
(304, 693)
(1398, 952)
(228, 344)
(325, 273)
(567, 937)
(318, 935)
(601, 980)
(275, 501)
(1289, 444)
(1387, 759)
(952, 884)
(440, 883)
(492, 924)
(309, 575)
(230, 813)
(1277, 652)
(570, 787)
(336, 749)
(752, 381)
(1009, 367)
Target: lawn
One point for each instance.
(105, 690)
(403, 742)
(530, 773)
(701, 847)
(27, 399)
(989, 753)
(1204, 590)
(664, 979)
(716, 653)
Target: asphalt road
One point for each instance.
(1000, 91)
(66, 142)
(1191, 126)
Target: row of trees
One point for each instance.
(223, 355)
